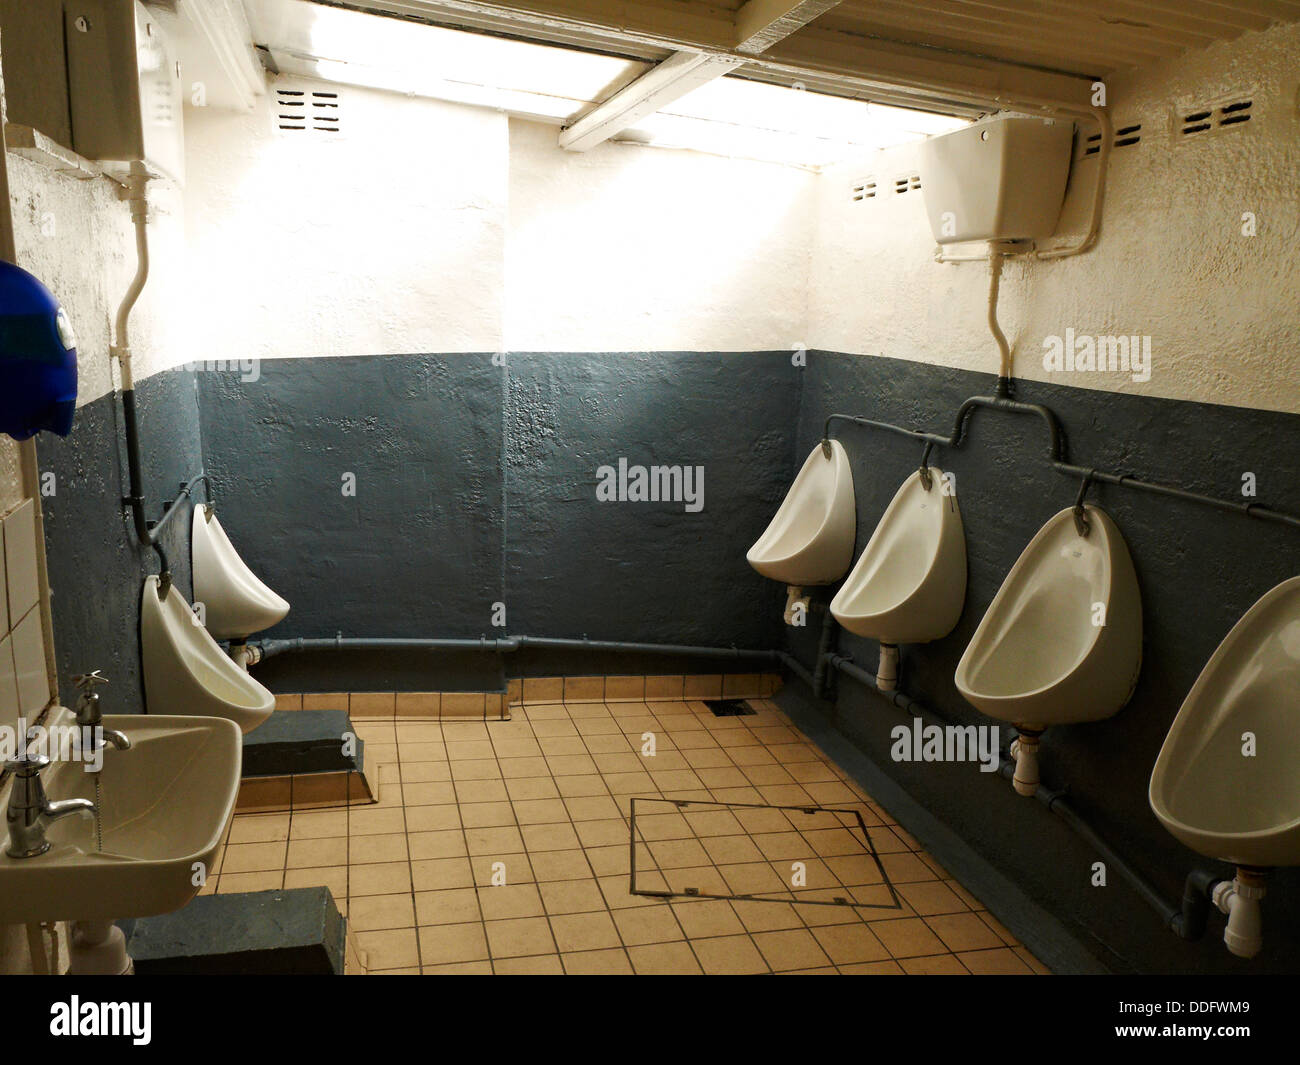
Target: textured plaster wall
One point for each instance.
(77, 237)
(95, 565)
(1172, 262)
(390, 239)
(476, 485)
(627, 248)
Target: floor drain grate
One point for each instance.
(714, 850)
(730, 708)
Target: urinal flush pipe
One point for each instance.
(136, 183)
(147, 532)
(996, 256)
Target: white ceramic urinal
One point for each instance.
(810, 541)
(1062, 640)
(909, 584)
(1206, 789)
(1225, 782)
(235, 603)
(185, 670)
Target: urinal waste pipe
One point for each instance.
(146, 533)
(1188, 919)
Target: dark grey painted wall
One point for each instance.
(1199, 570)
(476, 484)
(645, 571)
(96, 568)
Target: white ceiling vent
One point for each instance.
(304, 111)
(907, 182)
(864, 190)
(1196, 121)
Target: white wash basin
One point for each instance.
(909, 584)
(1205, 788)
(165, 807)
(810, 540)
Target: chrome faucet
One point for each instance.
(90, 716)
(30, 811)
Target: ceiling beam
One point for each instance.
(656, 88)
(761, 23)
(852, 61)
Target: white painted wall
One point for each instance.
(77, 237)
(434, 227)
(438, 227)
(389, 241)
(1222, 309)
(629, 248)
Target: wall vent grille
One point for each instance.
(1192, 122)
(1125, 137)
(907, 183)
(864, 190)
(308, 111)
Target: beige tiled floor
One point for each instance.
(540, 804)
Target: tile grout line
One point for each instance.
(514, 815)
(406, 833)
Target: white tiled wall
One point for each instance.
(24, 685)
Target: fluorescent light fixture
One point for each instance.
(732, 116)
(355, 48)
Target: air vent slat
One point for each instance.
(1125, 137)
(1209, 118)
(308, 111)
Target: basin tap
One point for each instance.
(30, 811)
(89, 714)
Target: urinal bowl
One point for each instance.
(185, 670)
(1062, 640)
(1206, 788)
(810, 540)
(909, 584)
(236, 603)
